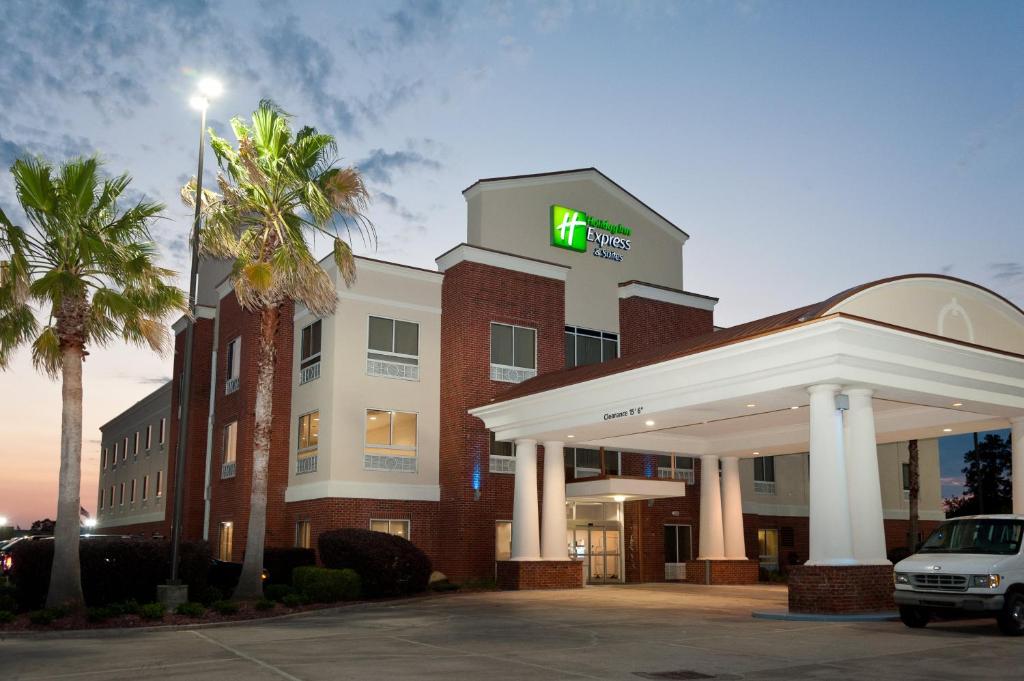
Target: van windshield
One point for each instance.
(1000, 536)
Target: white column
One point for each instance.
(831, 540)
(552, 536)
(1017, 463)
(525, 523)
(712, 535)
(732, 509)
(863, 486)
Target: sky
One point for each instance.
(805, 147)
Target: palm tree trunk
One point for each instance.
(65, 575)
(915, 492)
(250, 584)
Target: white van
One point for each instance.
(968, 567)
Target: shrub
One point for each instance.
(113, 569)
(152, 611)
(225, 607)
(387, 565)
(98, 614)
(444, 585)
(191, 609)
(129, 607)
(210, 594)
(44, 617)
(279, 563)
(277, 592)
(324, 585)
(293, 600)
(6, 616)
(265, 604)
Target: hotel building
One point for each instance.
(552, 406)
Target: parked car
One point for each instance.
(968, 567)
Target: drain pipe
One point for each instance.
(209, 426)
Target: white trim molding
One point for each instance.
(345, 489)
(506, 261)
(636, 289)
(202, 312)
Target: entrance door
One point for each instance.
(678, 550)
(600, 548)
(768, 548)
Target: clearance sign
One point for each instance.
(574, 230)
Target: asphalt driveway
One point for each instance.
(608, 632)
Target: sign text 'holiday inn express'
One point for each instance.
(574, 230)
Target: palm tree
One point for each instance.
(89, 266)
(914, 484)
(275, 189)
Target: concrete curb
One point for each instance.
(786, 616)
(103, 632)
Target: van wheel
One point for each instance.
(1011, 619)
(914, 617)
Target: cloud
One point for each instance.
(396, 207)
(381, 165)
(553, 15)
(418, 20)
(385, 100)
(1007, 271)
(9, 153)
(951, 482)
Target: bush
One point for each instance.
(265, 604)
(225, 607)
(324, 585)
(113, 569)
(280, 563)
(129, 607)
(191, 609)
(209, 595)
(444, 585)
(387, 565)
(153, 611)
(98, 614)
(293, 600)
(6, 616)
(45, 616)
(277, 592)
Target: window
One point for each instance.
(502, 456)
(232, 366)
(678, 544)
(104, 456)
(110, 501)
(503, 540)
(906, 476)
(586, 463)
(585, 346)
(676, 467)
(124, 450)
(163, 429)
(145, 487)
(229, 446)
(764, 475)
(309, 352)
(393, 348)
(501, 448)
(135, 452)
(120, 496)
(309, 431)
(159, 481)
(113, 461)
(303, 534)
(513, 353)
(399, 528)
(100, 504)
(768, 548)
(149, 436)
(227, 531)
(131, 497)
(390, 441)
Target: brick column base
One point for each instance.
(515, 575)
(841, 589)
(722, 572)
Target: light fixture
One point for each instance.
(958, 404)
(751, 405)
(648, 422)
(947, 430)
(619, 498)
(373, 418)
(3, 520)
(210, 87)
(757, 453)
(795, 407)
(570, 436)
(198, 102)
(89, 522)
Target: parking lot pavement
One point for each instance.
(608, 632)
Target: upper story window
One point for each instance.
(513, 353)
(502, 456)
(586, 346)
(676, 468)
(232, 365)
(145, 487)
(136, 452)
(309, 352)
(163, 429)
(159, 483)
(587, 463)
(124, 448)
(149, 436)
(309, 440)
(764, 475)
(393, 349)
(229, 448)
(106, 450)
(390, 441)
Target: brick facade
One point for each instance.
(473, 295)
(539, 574)
(841, 589)
(645, 323)
(721, 572)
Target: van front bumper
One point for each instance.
(955, 601)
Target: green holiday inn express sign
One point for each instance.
(574, 230)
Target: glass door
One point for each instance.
(768, 549)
